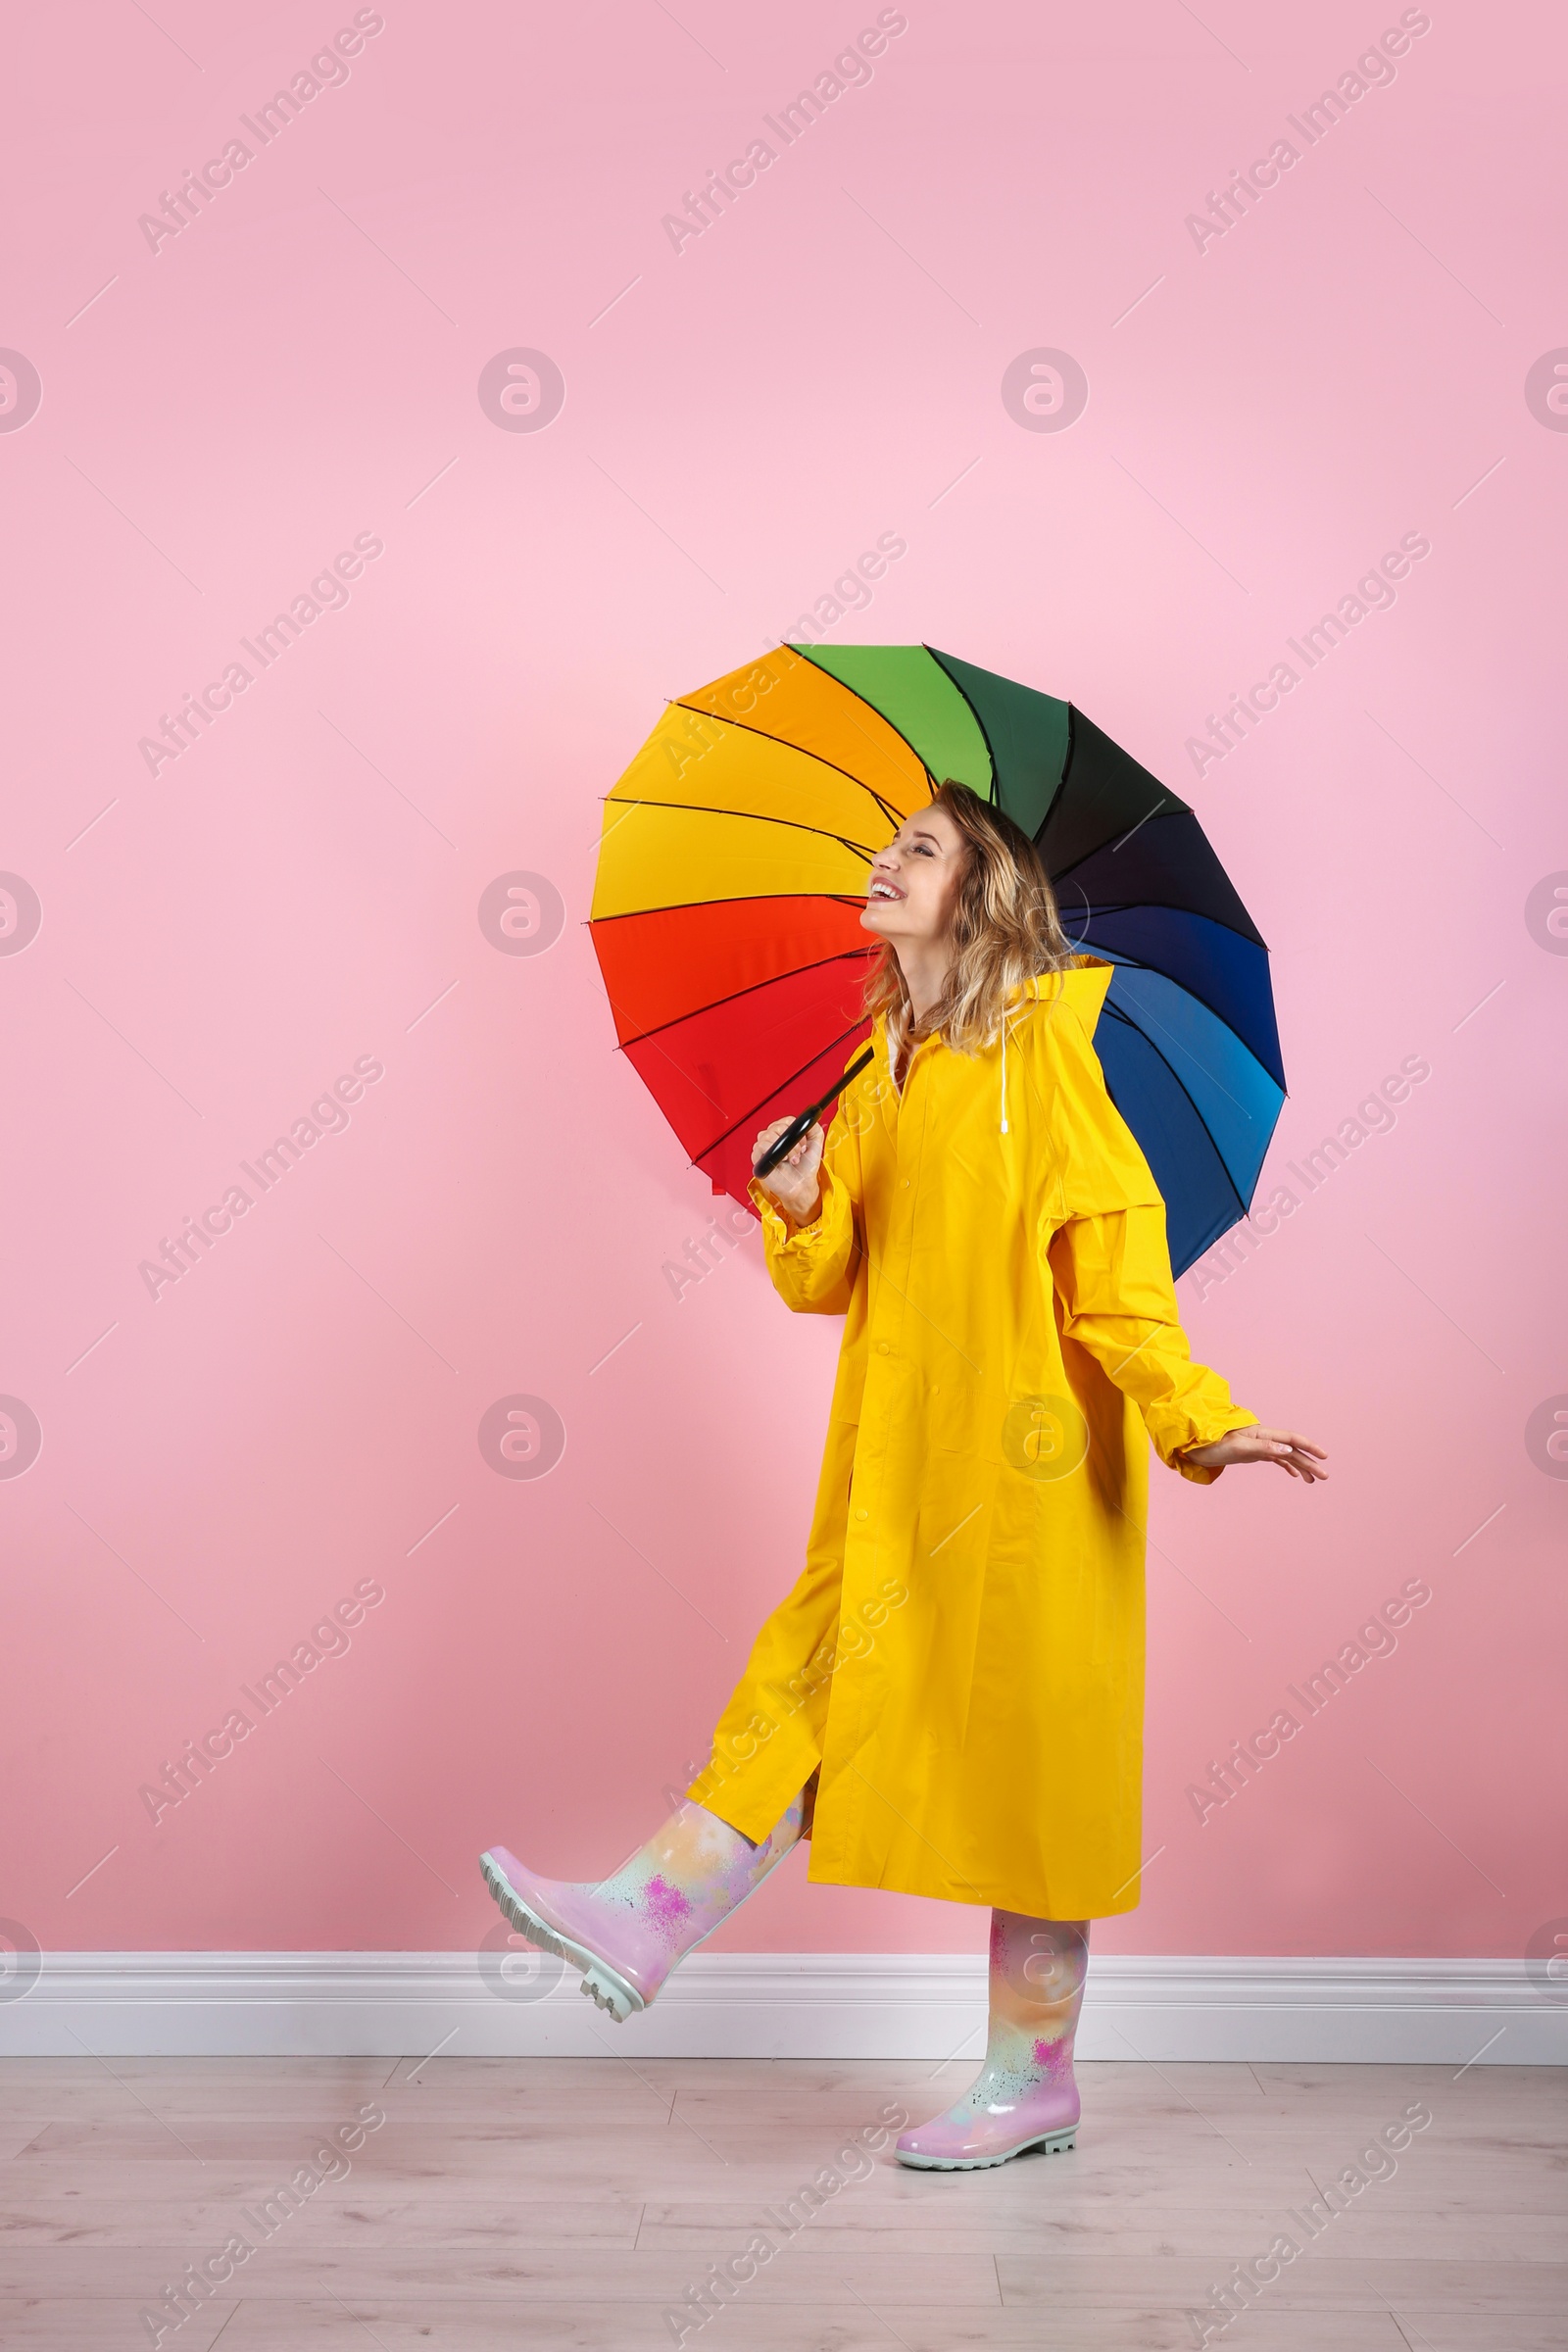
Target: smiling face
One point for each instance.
(915, 880)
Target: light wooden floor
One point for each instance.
(567, 2203)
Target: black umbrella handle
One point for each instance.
(798, 1127)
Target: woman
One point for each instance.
(949, 1701)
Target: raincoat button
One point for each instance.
(863, 1515)
(881, 1346)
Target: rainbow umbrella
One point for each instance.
(732, 873)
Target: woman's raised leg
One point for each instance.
(630, 1930)
(1025, 2096)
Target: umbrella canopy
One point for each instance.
(733, 870)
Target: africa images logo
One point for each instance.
(20, 391)
(327, 70)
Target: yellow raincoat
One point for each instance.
(962, 1659)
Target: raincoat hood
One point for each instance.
(1081, 988)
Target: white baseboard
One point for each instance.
(774, 2005)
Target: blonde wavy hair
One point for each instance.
(1004, 929)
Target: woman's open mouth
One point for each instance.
(883, 890)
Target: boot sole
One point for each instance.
(1054, 2143)
(600, 1982)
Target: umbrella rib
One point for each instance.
(1254, 936)
(793, 1079)
(913, 749)
(751, 817)
(670, 1057)
(1179, 807)
(1121, 834)
(1176, 1080)
(886, 807)
(1145, 1015)
(984, 731)
(1132, 906)
(818, 963)
(635, 915)
(1139, 963)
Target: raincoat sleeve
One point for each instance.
(813, 1267)
(1109, 1261)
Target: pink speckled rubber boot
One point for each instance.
(628, 1932)
(1025, 2096)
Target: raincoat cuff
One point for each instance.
(813, 1267)
(1179, 1430)
(779, 1227)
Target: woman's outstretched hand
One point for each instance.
(794, 1182)
(1282, 1446)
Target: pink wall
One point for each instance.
(221, 938)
